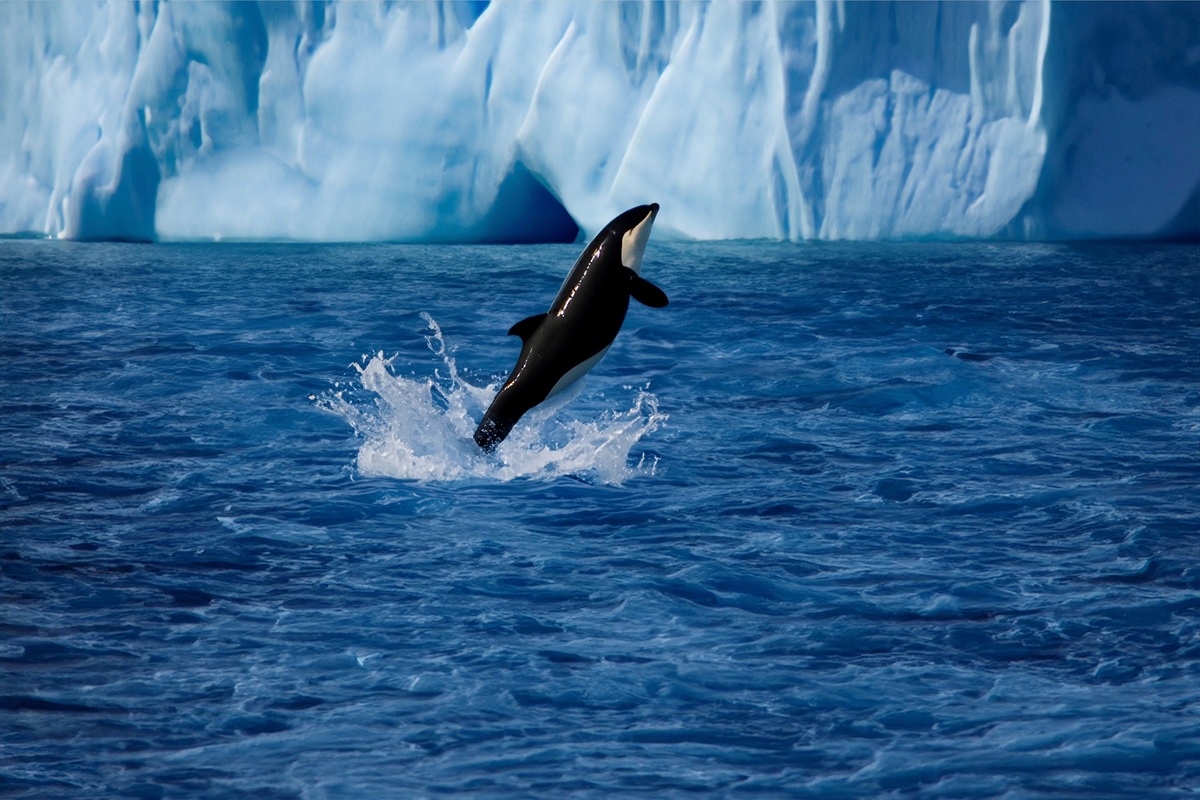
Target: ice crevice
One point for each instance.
(529, 121)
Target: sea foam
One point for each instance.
(420, 427)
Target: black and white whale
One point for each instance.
(560, 346)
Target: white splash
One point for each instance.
(420, 428)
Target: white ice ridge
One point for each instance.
(476, 121)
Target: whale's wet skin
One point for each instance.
(560, 346)
(848, 520)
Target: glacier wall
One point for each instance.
(519, 121)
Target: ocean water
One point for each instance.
(843, 520)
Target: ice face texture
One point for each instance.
(517, 121)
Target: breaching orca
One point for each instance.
(558, 347)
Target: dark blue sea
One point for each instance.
(844, 520)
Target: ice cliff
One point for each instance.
(517, 121)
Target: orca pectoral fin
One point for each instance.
(526, 327)
(645, 292)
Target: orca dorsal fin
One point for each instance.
(644, 291)
(526, 327)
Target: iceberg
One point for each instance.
(539, 120)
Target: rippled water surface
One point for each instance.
(842, 520)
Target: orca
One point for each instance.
(560, 346)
